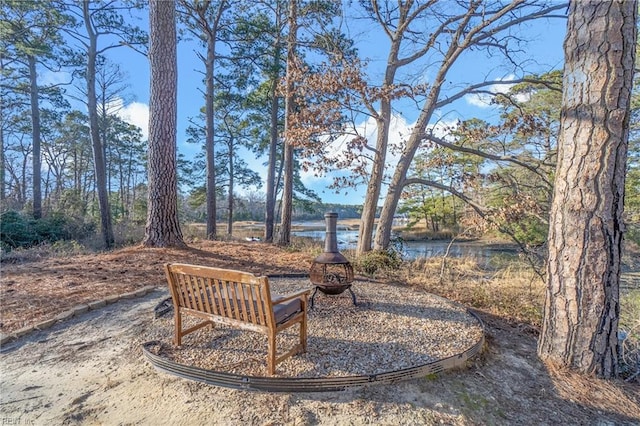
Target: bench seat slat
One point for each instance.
(200, 295)
(261, 313)
(191, 292)
(206, 295)
(179, 292)
(246, 306)
(221, 308)
(238, 310)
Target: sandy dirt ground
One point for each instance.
(89, 370)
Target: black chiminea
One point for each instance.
(331, 272)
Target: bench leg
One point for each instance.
(177, 335)
(271, 356)
(180, 332)
(303, 332)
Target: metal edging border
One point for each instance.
(309, 384)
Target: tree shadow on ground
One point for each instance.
(506, 384)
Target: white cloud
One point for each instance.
(135, 113)
(443, 128)
(52, 78)
(483, 100)
(398, 133)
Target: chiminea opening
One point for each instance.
(331, 272)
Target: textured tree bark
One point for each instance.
(270, 205)
(3, 185)
(585, 235)
(398, 180)
(370, 207)
(374, 186)
(99, 164)
(210, 142)
(284, 235)
(231, 188)
(163, 228)
(35, 132)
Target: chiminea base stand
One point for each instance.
(323, 289)
(331, 272)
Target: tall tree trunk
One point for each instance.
(94, 130)
(385, 223)
(230, 198)
(3, 170)
(22, 199)
(270, 204)
(3, 185)
(104, 136)
(209, 139)
(284, 237)
(35, 133)
(272, 179)
(585, 237)
(374, 186)
(370, 207)
(163, 228)
(463, 33)
(201, 19)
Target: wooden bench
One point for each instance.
(239, 300)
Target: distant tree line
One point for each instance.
(66, 150)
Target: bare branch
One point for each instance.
(494, 157)
(475, 88)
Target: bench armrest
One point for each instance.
(287, 297)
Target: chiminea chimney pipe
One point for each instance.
(331, 254)
(331, 238)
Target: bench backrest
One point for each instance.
(239, 298)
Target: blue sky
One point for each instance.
(544, 52)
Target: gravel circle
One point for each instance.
(393, 327)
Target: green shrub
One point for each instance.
(51, 228)
(531, 231)
(378, 261)
(16, 231)
(20, 230)
(633, 233)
